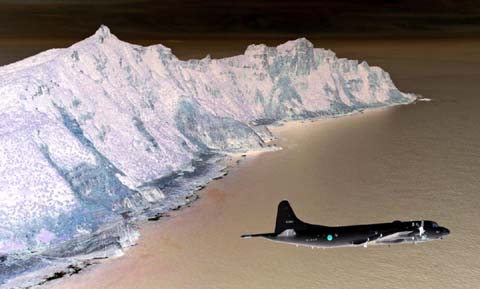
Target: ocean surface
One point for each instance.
(418, 161)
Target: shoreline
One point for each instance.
(207, 195)
(408, 162)
(103, 191)
(185, 191)
(229, 161)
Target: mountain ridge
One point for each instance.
(102, 134)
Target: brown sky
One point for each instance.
(137, 19)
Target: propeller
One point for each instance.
(418, 232)
(421, 230)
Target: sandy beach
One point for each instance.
(419, 161)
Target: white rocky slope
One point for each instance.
(103, 132)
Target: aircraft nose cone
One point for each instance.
(443, 232)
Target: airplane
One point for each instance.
(291, 230)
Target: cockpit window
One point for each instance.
(430, 224)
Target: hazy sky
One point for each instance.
(136, 19)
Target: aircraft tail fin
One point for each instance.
(286, 218)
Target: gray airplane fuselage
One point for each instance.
(360, 235)
(289, 229)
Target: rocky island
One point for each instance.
(103, 134)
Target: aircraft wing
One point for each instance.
(396, 237)
(371, 238)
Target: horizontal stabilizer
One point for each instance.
(248, 236)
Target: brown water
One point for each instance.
(420, 161)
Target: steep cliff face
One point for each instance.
(103, 132)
